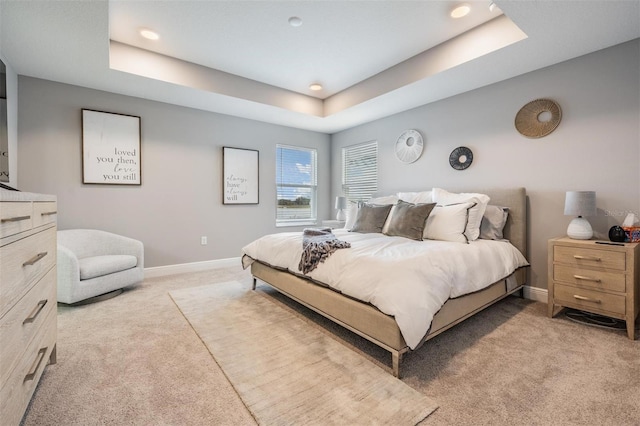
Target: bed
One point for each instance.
(396, 331)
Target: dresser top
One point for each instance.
(7, 195)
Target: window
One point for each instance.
(360, 171)
(296, 183)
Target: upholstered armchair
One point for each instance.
(93, 265)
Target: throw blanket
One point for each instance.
(317, 246)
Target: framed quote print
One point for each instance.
(239, 176)
(110, 148)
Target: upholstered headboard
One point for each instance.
(516, 200)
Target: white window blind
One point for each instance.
(296, 183)
(360, 171)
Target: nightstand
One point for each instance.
(333, 224)
(595, 277)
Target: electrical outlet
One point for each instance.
(203, 241)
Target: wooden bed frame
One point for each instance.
(381, 329)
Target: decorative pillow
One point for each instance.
(443, 197)
(383, 201)
(448, 223)
(493, 222)
(351, 213)
(371, 218)
(416, 197)
(408, 220)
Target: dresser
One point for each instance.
(28, 299)
(597, 277)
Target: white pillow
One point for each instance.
(352, 213)
(424, 197)
(444, 197)
(448, 223)
(383, 201)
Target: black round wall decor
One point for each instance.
(461, 158)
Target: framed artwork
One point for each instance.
(239, 176)
(110, 148)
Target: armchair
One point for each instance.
(93, 264)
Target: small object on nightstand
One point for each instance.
(617, 234)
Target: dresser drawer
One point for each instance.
(15, 217)
(18, 389)
(589, 300)
(44, 212)
(590, 257)
(19, 326)
(596, 279)
(24, 262)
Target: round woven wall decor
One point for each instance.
(538, 118)
(409, 145)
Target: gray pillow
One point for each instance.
(371, 218)
(408, 220)
(493, 221)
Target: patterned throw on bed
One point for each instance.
(317, 245)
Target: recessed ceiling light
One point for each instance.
(294, 21)
(148, 34)
(315, 87)
(460, 11)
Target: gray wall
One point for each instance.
(596, 146)
(180, 198)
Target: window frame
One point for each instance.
(313, 220)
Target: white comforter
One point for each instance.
(407, 279)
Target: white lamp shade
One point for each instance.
(580, 203)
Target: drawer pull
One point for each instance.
(15, 219)
(594, 258)
(36, 311)
(586, 299)
(48, 213)
(583, 278)
(35, 259)
(32, 375)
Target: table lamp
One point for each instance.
(341, 205)
(580, 203)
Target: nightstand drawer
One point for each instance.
(582, 257)
(589, 300)
(600, 280)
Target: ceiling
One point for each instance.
(243, 58)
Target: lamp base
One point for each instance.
(580, 229)
(341, 216)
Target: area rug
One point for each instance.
(288, 372)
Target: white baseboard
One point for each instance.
(161, 271)
(535, 293)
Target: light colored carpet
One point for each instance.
(135, 360)
(286, 371)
